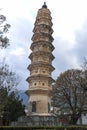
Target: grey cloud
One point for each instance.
(21, 31)
(81, 43)
(64, 56)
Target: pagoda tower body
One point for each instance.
(40, 80)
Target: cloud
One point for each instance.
(80, 48)
(64, 56)
(17, 52)
(70, 55)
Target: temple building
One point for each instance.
(40, 79)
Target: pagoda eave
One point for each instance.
(40, 64)
(41, 53)
(42, 43)
(40, 77)
(39, 91)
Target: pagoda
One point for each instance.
(40, 79)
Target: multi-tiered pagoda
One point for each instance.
(40, 80)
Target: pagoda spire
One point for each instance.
(44, 6)
(40, 80)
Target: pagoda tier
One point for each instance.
(41, 56)
(39, 91)
(41, 28)
(40, 80)
(41, 36)
(47, 46)
(40, 68)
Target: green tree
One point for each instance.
(11, 106)
(8, 82)
(69, 95)
(3, 99)
(4, 41)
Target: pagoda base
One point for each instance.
(36, 120)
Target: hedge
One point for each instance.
(43, 128)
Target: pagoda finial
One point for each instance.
(44, 6)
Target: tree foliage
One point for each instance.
(69, 95)
(11, 106)
(8, 81)
(8, 78)
(4, 41)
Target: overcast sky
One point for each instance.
(69, 19)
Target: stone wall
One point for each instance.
(36, 121)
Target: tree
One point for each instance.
(8, 79)
(8, 82)
(11, 106)
(69, 95)
(84, 69)
(3, 99)
(4, 41)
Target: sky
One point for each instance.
(69, 19)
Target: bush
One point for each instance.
(43, 128)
